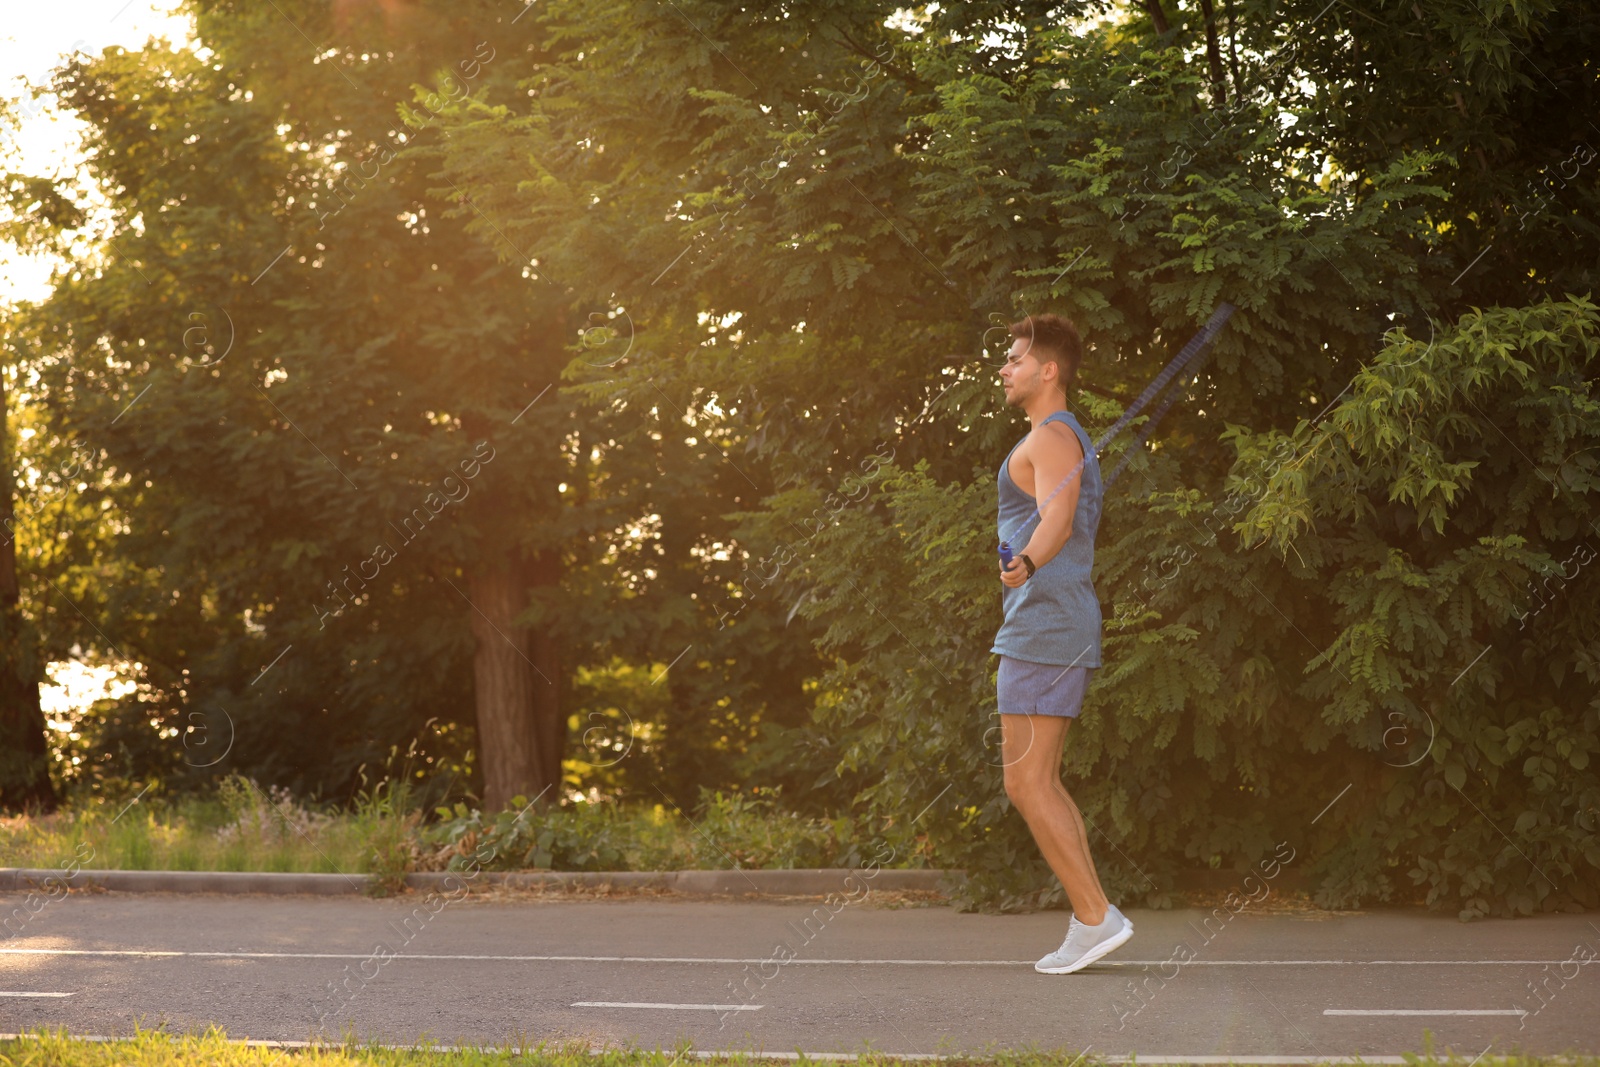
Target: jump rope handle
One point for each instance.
(1005, 554)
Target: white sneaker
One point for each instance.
(1085, 944)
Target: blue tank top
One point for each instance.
(1053, 617)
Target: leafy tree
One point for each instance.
(1008, 157)
(282, 348)
(298, 373)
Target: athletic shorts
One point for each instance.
(1027, 688)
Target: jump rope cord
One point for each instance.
(1187, 354)
(1189, 375)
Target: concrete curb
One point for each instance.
(773, 883)
(802, 882)
(798, 882)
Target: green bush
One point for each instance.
(727, 830)
(1363, 690)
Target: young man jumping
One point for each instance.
(1049, 643)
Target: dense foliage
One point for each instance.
(741, 244)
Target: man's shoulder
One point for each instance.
(1056, 435)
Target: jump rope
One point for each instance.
(1189, 353)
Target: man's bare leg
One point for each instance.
(1083, 829)
(1082, 836)
(1031, 746)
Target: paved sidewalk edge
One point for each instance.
(801, 882)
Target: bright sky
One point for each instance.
(33, 39)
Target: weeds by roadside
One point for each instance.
(245, 826)
(727, 831)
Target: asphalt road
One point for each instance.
(652, 972)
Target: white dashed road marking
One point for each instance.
(38, 994)
(683, 1007)
(1423, 1011)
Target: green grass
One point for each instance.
(153, 1048)
(245, 828)
(240, 829)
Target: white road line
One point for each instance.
(177, 954)
(38, 994)
(1423, 1011)
(649, 1004)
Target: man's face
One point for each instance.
(1022, 375)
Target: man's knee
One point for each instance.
(1027, 791)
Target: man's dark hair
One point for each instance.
(1054, 339)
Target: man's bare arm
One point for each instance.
(1057, 456)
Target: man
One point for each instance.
(1049, 642)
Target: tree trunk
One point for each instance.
(518, 708)
(549, 712)
(1158, 17)
(1219, 83)
(1233, 51)
(24, 757)
(25, 783)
